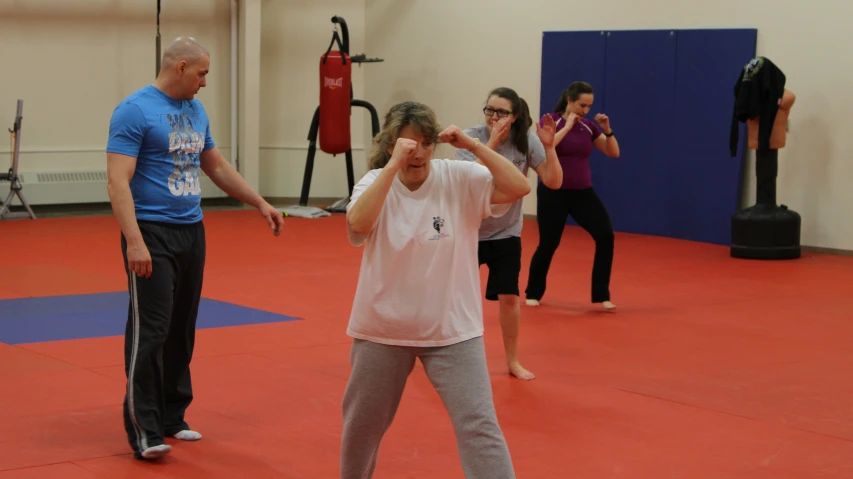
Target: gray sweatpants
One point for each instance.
(460, 376)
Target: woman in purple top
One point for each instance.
(576, 196)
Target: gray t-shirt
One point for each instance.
(509, 224)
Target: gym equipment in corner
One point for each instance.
(765, 230)
(15, 187)
(332, 117)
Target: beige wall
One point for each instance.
(72, 67)
(294, 33)
(449, 53)
(72, 62)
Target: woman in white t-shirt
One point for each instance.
(418, 293)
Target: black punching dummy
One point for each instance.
(765, 230)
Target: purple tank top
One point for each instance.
(574, 152)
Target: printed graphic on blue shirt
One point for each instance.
(167, 138)
(185, 146)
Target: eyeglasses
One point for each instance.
(489, 111)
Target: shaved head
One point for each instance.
(186, 49)
(184, 68)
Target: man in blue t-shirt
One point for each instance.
(159, 140)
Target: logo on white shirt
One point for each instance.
(437, 224)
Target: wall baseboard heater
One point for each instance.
(57, 187)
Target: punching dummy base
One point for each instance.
(766, 230)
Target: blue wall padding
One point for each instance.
(669, 94)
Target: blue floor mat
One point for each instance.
(54, 318)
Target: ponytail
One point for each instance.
(523, 122)
(573, 92)
(522, 125)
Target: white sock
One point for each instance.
(155, 452)
(188, 435)
(608, 306)
(533, 302)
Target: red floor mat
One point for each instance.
(711, 367)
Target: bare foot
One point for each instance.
(516, 370)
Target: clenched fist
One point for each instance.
(456, 138)
(404, 150)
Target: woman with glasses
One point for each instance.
(506, 130)
(575, 196)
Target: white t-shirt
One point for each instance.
(419, 283)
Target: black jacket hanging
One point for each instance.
(758, 91)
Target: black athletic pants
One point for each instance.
(553, 208)
(160, 332)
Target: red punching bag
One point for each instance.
(335, 94)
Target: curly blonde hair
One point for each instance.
(408, 113)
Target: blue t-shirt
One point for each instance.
(167, 137)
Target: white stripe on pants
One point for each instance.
(460, 376)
